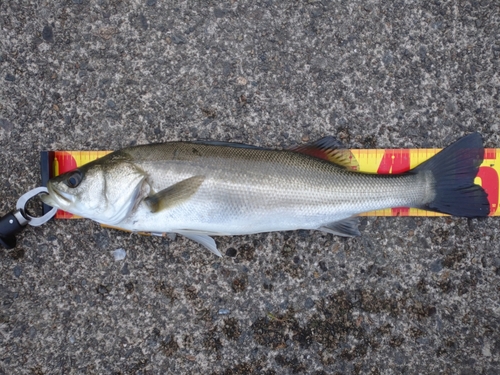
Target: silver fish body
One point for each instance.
(250, 191)
(200, 190)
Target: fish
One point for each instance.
(203, 189)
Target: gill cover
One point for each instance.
(105, 190)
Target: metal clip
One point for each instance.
(21, 204)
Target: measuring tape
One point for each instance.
(382, 161)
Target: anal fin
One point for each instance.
(345, 228)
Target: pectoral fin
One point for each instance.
(174, 194)
(204, 240)
(345, 228)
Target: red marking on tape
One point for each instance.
(394, 161)
(400, 211)
(66, 163)
(489, 182)
(490, 153)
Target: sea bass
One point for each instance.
(204, 189)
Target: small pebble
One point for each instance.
(101, 289)
(436, 266)
(224, 311)
(178, 39)
(18, 271)
(323, 266)
(48, 34)
(242, 81)
(125, 270)
(219, 13)
(309, 304)
(119, 254)
(231, 252)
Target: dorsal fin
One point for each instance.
(227, 144)
(330, 149)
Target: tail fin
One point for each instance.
(454, 170)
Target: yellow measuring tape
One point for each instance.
(382, 161)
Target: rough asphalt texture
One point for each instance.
(411, 295)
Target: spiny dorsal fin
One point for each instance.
(174, 194)
(227, 144)
(330, 149)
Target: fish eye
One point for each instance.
(74, 179)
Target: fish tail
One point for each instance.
(453, 170)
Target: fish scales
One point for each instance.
(273, 189)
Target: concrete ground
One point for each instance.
(411, 295)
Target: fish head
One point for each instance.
(104, 190)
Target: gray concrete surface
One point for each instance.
(411, 295)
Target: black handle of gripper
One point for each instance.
(9, 227)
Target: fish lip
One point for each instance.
(56, 197)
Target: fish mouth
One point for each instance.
(56, 198)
